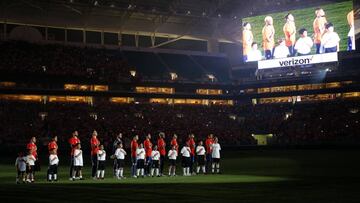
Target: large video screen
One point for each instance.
(297, 37)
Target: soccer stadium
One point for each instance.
(180, 101)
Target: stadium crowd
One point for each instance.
(60, 60)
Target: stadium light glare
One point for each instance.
(133, 73)
(96, 3)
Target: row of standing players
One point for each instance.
(146, 159)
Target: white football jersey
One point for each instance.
(140, 153)
(53, 159)
(216, 151)
(78, 158)
(155, 155)
(185, 151)
(101, 155)
(200, 150)
(172, 154)
(120, 153)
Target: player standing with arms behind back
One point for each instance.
(319, 28)
(290, 33)
(162, 149)
(268, 33)
(134, 145)
(95, 143)
(247, 40)
(73, 141)
(209, 141)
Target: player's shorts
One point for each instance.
(172, 162)
(30, 169)
(185, 162)
(216, 160)
(101, 165)
(120, 163)
(53, 169)
(155, 163)
(20, 173)
(200, 159)
(77, 168)
(140, 163)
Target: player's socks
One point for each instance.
(121, 172)
(55, 177)
(98, 174)
(203, 169)
(117, 173)
(138, 172)
(184, 171)
(157, 172)
(198, 169)
(152, 172)
(142, 172)
(102, 174)
(188, 171)
(49, 177)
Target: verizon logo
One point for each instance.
(295, 62)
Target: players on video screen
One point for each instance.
(324, 38)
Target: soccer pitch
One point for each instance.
(304, 18)
(248, 176)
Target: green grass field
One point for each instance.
(249, 176)
(304, 18)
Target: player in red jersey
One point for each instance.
(148, 151)
(208, 143)
(134, 145)
(52, 147)
(95, 143)
(191, 144)
(162, 149)
(174, 143)
(32, 148)
(73, 141)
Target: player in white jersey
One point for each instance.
(304, 44)
(101, 157)
(78, 162)
(155, 155)
(53, 166)
(216, 156)
(254, 54)
(330, 40)
(20, 164)
(172, 154)
(120, 154)
(30, 167)
(281, 51)
(200, 157)
(140, 157)
(185, 161)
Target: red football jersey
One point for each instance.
(94, 145)
(174, 143)
(32, 147)
(134, 146)
(208, 143)
(148, 147)
(73, 141)
(191, 143)
(161, 146)
(52, 145)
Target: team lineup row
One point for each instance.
(146, 159)
(325, 39)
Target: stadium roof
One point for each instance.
(199, 19)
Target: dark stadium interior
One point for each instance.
(136, 67)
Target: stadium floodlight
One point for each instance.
(133, 73)
(211, 77)
(173, 76)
